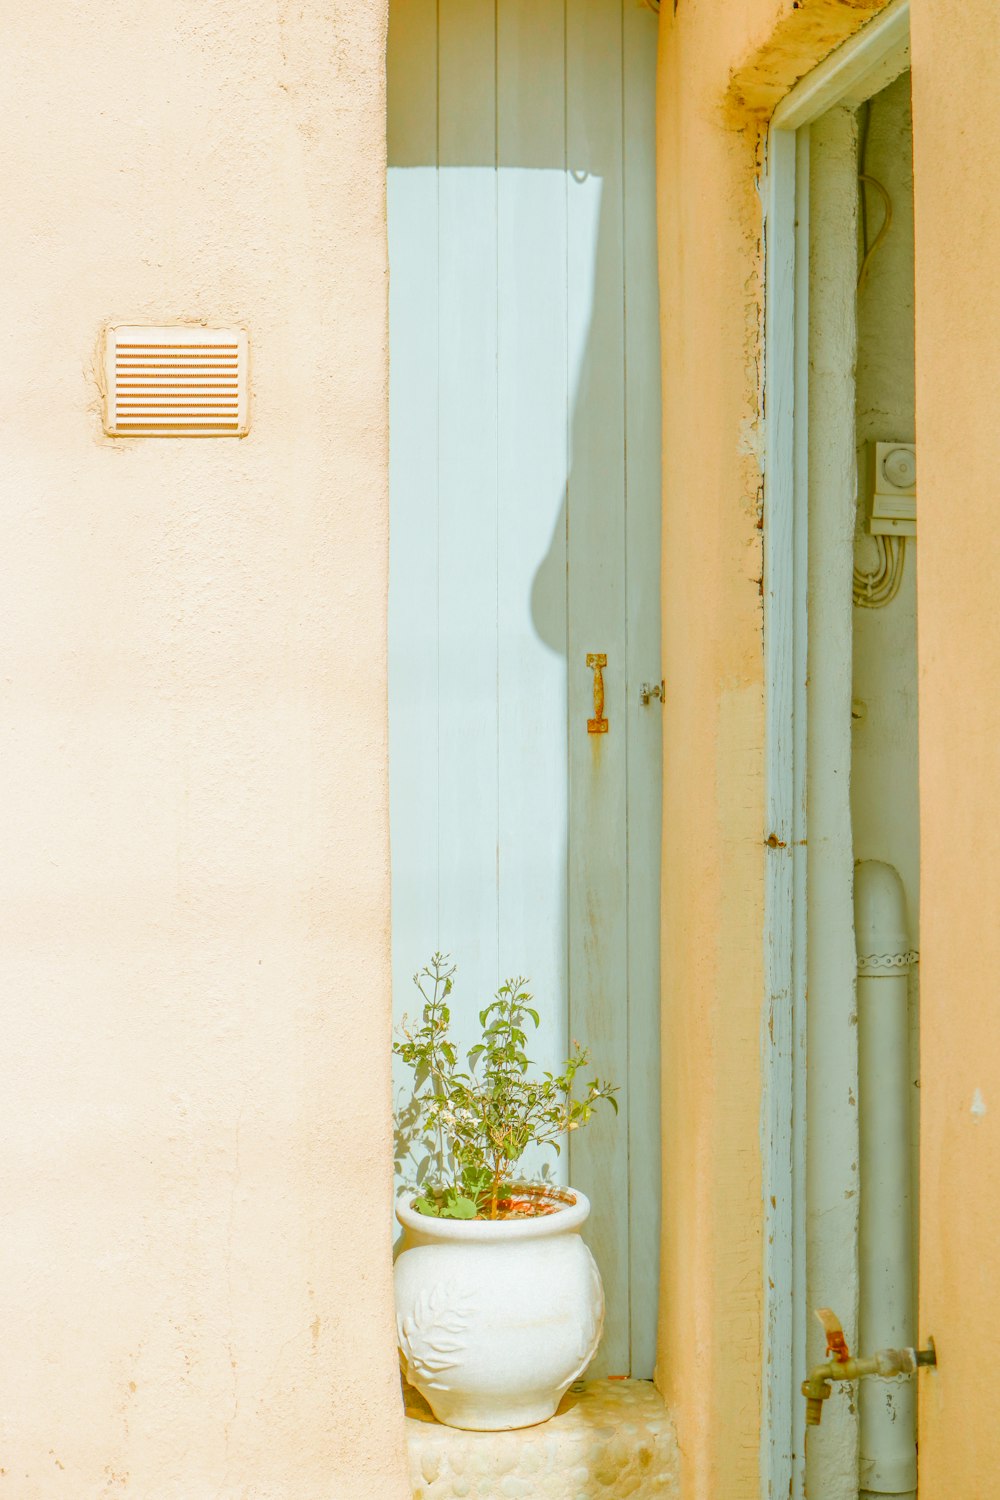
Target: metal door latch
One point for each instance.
(597, 661)
(652, 690)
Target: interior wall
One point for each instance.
(956, 115)
(884, 788)
(195, 1265)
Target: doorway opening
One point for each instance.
(525, 543)
(840, 1112)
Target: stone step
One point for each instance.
(609, 1439)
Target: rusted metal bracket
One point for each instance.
(597, 661)
(652, 690)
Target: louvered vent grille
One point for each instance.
(176, 382)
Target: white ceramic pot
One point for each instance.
(497, 1318)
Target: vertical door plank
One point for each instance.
(783, 714)
(597, 851)
(413, 481)
(797, 707)
(645, 724)
(467, 595)
(411, 86)
(531, 678)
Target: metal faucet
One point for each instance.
(839, 1365)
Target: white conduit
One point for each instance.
(878, 588)
(887, 1407)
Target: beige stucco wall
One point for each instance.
(195, 1301)
(194, 1268)
(722, 69)
(710, 262)
(956, 118)
(710, 289)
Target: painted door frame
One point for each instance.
(861, 67)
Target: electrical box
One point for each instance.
(176, 381)
(892, 489)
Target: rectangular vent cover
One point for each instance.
(176, 382)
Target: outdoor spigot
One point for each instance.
(839, 1365)
(816, 1389)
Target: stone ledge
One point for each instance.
(609, 1439)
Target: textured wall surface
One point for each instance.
(776, 44)
(722, 68)
(195, 1284)
(713, 858)
(608, 1440)
(956, 118)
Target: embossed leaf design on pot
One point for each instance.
(433, 1334)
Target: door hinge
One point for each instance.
(652, 690)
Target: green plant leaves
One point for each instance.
(478, 1127)
(459, 1208)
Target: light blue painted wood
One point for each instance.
(643, 479)
(596, 564)
(779, 1425)
(508, 244)
(412, 189)
(532, 394)
(468, 711)
(798, 585)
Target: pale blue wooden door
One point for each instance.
(525, 502)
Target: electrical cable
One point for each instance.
(878, 588)
(875, 589)
(885, 226)
(864, 125)
(867, 251)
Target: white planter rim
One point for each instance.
(565, 1220)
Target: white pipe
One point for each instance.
(832, 1152)
(887, 1407)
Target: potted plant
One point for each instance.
(499, 1302)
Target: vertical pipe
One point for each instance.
(832, 1036)
(888, 1462)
